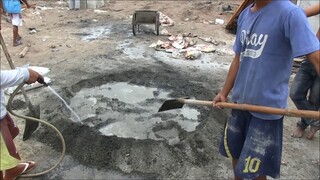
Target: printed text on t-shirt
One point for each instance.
(252, 40)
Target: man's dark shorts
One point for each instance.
(256, 143)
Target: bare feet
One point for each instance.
(298, 132)
(16, 43)
(22, 168)
(312, 132)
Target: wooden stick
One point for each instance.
(258, 109)
(232, 24)
(24, 52)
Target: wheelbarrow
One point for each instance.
(145, 17)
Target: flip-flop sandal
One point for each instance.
(29, 166)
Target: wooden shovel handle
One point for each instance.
(258, 109)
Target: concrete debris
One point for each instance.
(219, 21)
(165, 20)
(99, 11)
(189, 35)
(32, 30)
(206, 48)
(164, 32)
(226, 7)
(193, 54)
(284, 163)
(183, 47)
(211, 40)
(180, 42)
(225, 51)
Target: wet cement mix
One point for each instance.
(112, 122)
(115, 82)
(123, 130)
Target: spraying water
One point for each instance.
(65, 103)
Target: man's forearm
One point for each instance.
(228, 85)
(314, 58)
(312, 10)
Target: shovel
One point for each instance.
(34, 111)
(178, 103)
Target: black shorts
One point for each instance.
(256, 143)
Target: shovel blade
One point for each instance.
(171, 104)
(31, 126)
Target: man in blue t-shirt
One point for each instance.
(270, 34)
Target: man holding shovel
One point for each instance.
(10, 166)
(270, 34)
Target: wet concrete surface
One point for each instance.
(122, 135)
(86, 50)
(123, 131)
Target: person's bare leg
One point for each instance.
(234, 164)
(261, 178)
(312, 132)
(298, 132)
(16, 36)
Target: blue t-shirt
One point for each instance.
(12, 6)
(267, 41)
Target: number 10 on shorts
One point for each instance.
(252, 165)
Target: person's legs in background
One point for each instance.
(298, 94)
(74, 4)
(16, 36)
(314, 98)
(71, 4)
(16, 21)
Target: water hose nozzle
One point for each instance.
(41, 81)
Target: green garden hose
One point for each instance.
(43, 122)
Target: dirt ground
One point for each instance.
(87, 49)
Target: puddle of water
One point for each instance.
(131, 111)
(122, 91)
(98, 32)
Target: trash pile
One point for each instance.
(165, 20)
(183, 46)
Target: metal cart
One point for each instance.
(145, 17)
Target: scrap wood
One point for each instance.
(24, 51)
(232, 24)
